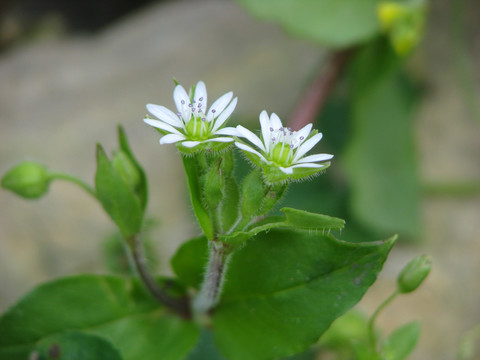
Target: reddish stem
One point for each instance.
(313, 100)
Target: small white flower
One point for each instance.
(281, 147)
(193, 124)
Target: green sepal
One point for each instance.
(294, 219)
(117, 197)
(208, 147)
(401, 342)
(193, 172)
(75, 345)
(141, 186)
(274, 175)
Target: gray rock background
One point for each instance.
(59, 97)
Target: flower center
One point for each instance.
(198, 128)
(281, 154)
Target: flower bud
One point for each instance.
(28, 179)
(413, 274)
(126, 168)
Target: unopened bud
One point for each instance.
(126, 168)
(414, 273)
(28, 179)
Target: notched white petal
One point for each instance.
(275, 121)
(181, 98)
(162, 126)
(251, 150)
(227, 131)
(315, 158)
(225, 115)
(307, 146)
(164, 114)
(219, 105)
(250, 136)
(171, 138)
(265, 126)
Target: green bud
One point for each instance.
(413, 274)
(28, 179)
(213, 185)
(252, 195)
(126, 168)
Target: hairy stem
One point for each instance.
(209, 294)
(313, 100)
(138, 255)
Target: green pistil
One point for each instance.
(281, 155)
(197, 129)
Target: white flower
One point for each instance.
(281, 147)
(193, 124)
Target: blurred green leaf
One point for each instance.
(75, 345)
(286, 287)
(115, 308)
(205, 348)
(401, 342)
(380, 161)
(116, 196)
(141, 189)
(190, 260)
(334, 23)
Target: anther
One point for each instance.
(214, 111)
(271, 129)
(201, 99)
(183, 102)
(302, 137)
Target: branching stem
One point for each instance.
(209, 294)
(138, 255)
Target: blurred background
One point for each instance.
(404, 131)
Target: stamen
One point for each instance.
(271, 129)
(199, 105)
(189, 105)
(182, 102)
(201, 99)
(214, 111)
(302, 137)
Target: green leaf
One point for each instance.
(75, 345)
(296, 219)
(115, 308)
(193, 173)
(190, 260)
(142, 188)
(401, 342)
(335, 23)
(286, 287)
(380, 161)
(117, 197)
(205, 348)
(230, 204)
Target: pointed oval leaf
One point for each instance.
(115, 308)
(286, 287)
(401, 342)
